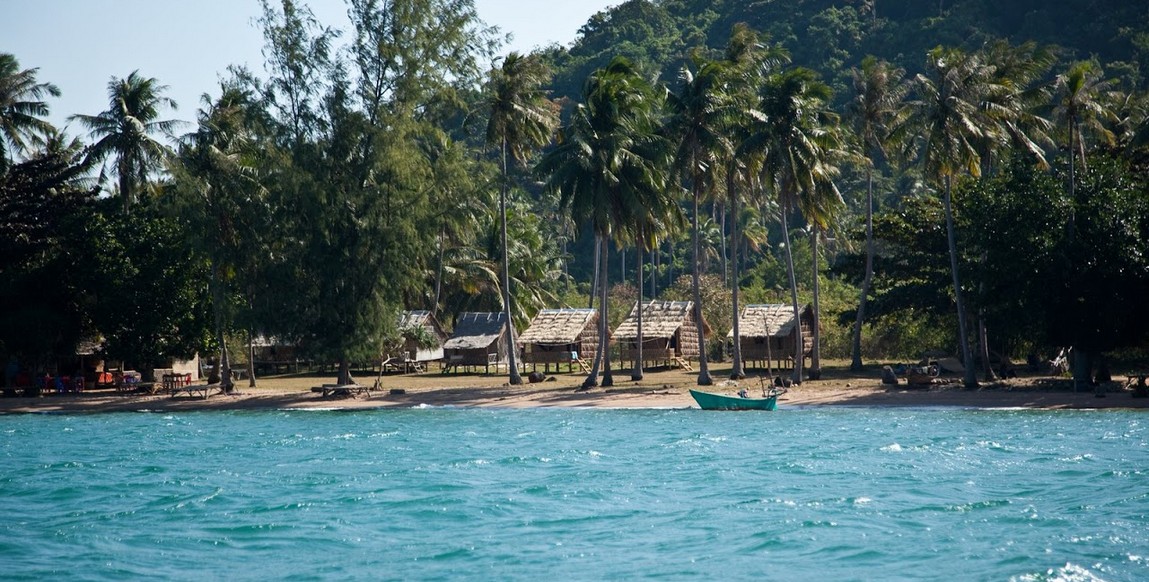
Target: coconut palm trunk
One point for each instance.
(736, 370)
(816, 351)
(983, 348)
(704, 378)
(1072, 229)
(799, 346)
(597, 269)
(636, 374)
(867, 279)
(512, 355)
(970, 378)
(439, 270)
(607, 375)
(592, 378)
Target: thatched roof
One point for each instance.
(659, 319)
(558, 326)
(476, 330)
(419, 318)
(778, 318)
(415, 318)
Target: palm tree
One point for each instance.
(1019, 91)
(948, 118)
(221, 190)
(700, 116)
(821, 208)
(748, 61)
(521, 118)
(458, 200)
(879, 90)
(21, 110)
(609, 170)
(1018, 73)
(1078, 105)
(127, 130)
(793, 138)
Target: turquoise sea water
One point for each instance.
(442, 493)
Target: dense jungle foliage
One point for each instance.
(724, 152)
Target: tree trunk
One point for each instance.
(439, 271)
(1072, 185)
(704, 378)
(250, 359)
(967, 361)
(856, 360)
(512, 350)
(622, 265)
(344, 378)
(225, 382)
(722, 231)
(636, 374)
(816, 353)
(597, 269)
(983, 348)
(592, 378)
(657, 262)
(1081, 366)
(607, 376)
(799, 348)
(736, 370)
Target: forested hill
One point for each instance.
(830, 36)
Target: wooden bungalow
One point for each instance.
(561, 336)
(426, 320)
(479, 339)
(272, 355)
(768, 335)
(669, 333)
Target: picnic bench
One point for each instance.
(176, 384)
(342, 390)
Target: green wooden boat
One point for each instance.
(708, 401)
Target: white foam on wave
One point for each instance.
(894, 448)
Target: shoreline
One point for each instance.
(666, 389)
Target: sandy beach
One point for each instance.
(663, 388)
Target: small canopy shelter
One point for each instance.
(426, 320)
(768, 334)
(669, 333)
(479, 339)
(560, 336)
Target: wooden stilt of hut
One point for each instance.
(768, 335)
(669, 334)
(479, 339)
(561, 336)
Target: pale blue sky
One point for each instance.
(80, 44)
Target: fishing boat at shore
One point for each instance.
(741, 401)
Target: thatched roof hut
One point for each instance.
(479, 339)
(560, 336)
(669, 332)
(768, 333)
(426, 320)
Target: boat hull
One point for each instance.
(708, 401)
